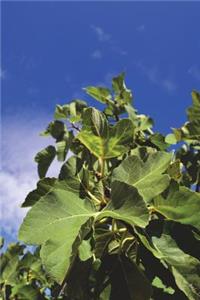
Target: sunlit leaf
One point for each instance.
(107, 142)
(99, 93)
(146, 176)
(54, 222)
(43, 187)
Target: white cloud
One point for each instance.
(96, 54)
(20, 143)
(195, 72)
(14, 188)
(101, 34)
(153, 74)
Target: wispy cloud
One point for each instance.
(150, 72)
(195, 72)
(67, 79)
(20, 143)
(97, 54)
(140, 28)
(33, 91)
(101, 34)
(107, 80)
(2, 74)
(119, 50)
(153, 74)
(169, 85)
(28, 63)
(105, 37)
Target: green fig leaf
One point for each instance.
(185, 268)
(44, 159)
(181, 206)
(146, 176)
(126, 205)
(54, 222)
(107, 142)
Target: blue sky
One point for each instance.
(51, 50)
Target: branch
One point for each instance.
(75, 127)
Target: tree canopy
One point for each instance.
(122, 220)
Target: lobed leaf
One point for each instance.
(185, 268)
(44, 186)
(102, 141)
(182, 206)
(99, 93)
(44, 159)
(127, 205)
(146, 176)
(54, 222)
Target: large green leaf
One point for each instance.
(185, 268)
(182, 206)
(126, 205)
(71, 173)
(56, 219)
(146, 176)
(54, 222)
(44, 159)
(106, 142)
(43, 187)
(76, 177)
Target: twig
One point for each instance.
(75, 127)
